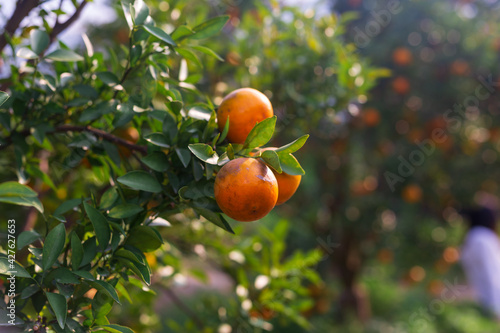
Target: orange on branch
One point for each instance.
(246, 189)
(245, 107)
(287, 185)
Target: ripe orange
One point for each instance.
(412, 193)
(402, 56)
(246, 189)
(245, 107)
(401, 85)
(287, 185)
(371, 117)
(130, 134)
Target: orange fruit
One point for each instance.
(401, 85)
(128, 133)
(459, 67)
(287, 185)
(412, 193)
(371, 117)
(402, 56)
(246, 189)
(245, 107)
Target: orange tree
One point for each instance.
(128, 137)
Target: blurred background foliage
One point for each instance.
(374, 226)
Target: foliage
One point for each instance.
(68, 110)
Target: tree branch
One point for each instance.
(104, 135)
(60, 27)
(23, 8)
(97, 132)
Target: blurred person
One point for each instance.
(481, 257)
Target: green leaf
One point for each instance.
(140, 270)
(53, 246)
(59, 306)
(157, 161)
(144, 238)
(66, 206)
(84, 274)
(14, 189)
(188, 55)
(100, 224)
(207, 51)
(26, 53)
(204, 152)
(113, 328)
(209, 28)
(141, 12)
(101, 305)
(108, 78)
(181, 33)
(224, 132)
(293, 146)
(125, 210)
(215, 218)
(123, 253)
(108, 198)
(261, 133)
(290, 165)
(106, 287)
(62, 275)
(17, 271)
(39, 40)
(64, 55)
(184, 156)
(76, 251)
(160, 34)
(158, 139)
(30, 291)
(141, 181)
(26, 238)
(272, 159)
(3, 97)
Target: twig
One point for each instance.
(60, 27)
(99, 133)
(180, 304)
(23, 8)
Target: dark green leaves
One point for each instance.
(113, 328)
(76, 251)
(271, 158)
(215, 218)
(160, 34)
(204, 152)
(26, 238)
(64, 56)
(17, 194)
(209, 28)
(5, 268)
(292, 147)
(157, 161)
(39, 41)
(105, 287)
(140, 180)
(261, 133)
(53, 246)
(124, 210)
(3, 97)
(144, 238)
(100, 224)
(59, 306)
(290, 165)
